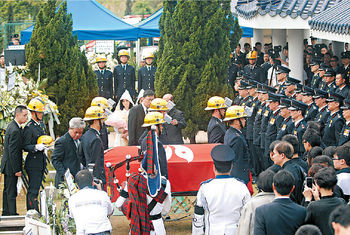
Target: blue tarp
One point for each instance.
(92, 21)
(149, 27)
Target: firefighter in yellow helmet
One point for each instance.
(102, 103)
(91, 150)
(124, 76)
(35, 163)
(253, 70)
(146, 74)
(236, 118)
(216, 128)
(104, 78)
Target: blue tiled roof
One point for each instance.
(293, 8)
(335, 19)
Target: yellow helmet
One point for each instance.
(148, 55)
(123, 52)
(216, 102)
(36, 105)
(235, 112)
(252, 55)
(46, 140)
(93, 113)
(158, 104)
(101, 59)
(100, 102)
(153, 118)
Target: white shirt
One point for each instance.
(344, 182)
(222, 200)
(270, 72)
(90, 209)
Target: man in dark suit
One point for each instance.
(65, 155)
(178, 122)
(216, 128)
(146, 74)
(136, 116)
(11, 162)
(282, 216)
(124, 76)
(104, 79)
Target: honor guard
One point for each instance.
(316, 79)
(290, 87)
(298, 110)
(342, 87)
(345, 132)
(244, 94)
(252, 69)
(35, 162)
(322, 71)
(103, 103)
(312, 109)
(146, 74)
(323, 112)
(274, 123)
(124, 76)
(281, 75)
(216, 128)
(335, 121)
(329, 79)
(287, 124)
(104, 78)
(236, 118)
(220, 200)
(91, 146)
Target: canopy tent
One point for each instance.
(92, 21)
(150, 27)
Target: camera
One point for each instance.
(309, 182)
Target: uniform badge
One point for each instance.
(307, 112)
(254, 105)
(283, 127)
(320, 117)
(272, 121)
(295, 132)
(266, 113)
(259, 112)
(346, 132)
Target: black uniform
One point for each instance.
(92, 152)
(282, 89)
(328, 88)
(296, 170)
(232, 75)
(255, 72)
(124, 79)
(257, 138)
(146, 78)
(333, 129)
(237, 100)
(322, 117)
(216, 131)
(343, 91)
(344, 134)
(299, 130)
(11, 163)
(287, 127)
(105, 83)
(311, 112)
(174, 134)
(315, 81)
(104, 135)
(35, 163)
(273, 125)
(235, 140)
(264, 123)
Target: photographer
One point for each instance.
(285, 53)
(318, 211)
(90, 207)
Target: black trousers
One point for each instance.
(9, 195)
(35, 177)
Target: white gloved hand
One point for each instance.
(39, 147)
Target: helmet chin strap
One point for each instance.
(36, 116)
(221, 116)
(99, 122)
(240, 123)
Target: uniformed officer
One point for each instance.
(236, 118)
(274, 123)
(252, 69)
(298, 110)
(237, 99)
(323, 112)
(124, 76)
(102, 102)
(35, 162)
(335, 121)
(342, 87)
(281, 75)
(345, 60)
(220, 200)
(312, 109)
(287, 125)
(290, 87)
(322, 71)
(345, 132)
(91, 146)
(216, 128)
(329, 80)
(316, 79)
(104, 78)
(244, 94)
(146, 74)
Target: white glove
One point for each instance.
(39, 147)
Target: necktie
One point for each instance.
(149, 68)
(124, 67)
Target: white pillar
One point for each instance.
(295, 52)
(258, 36)
(338, 47)
(307, 35)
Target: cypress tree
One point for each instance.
(71, 81)
(194, 57)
